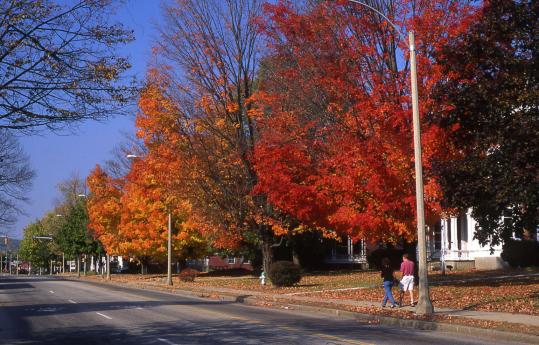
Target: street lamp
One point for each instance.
(8, 265)
(424, 304)
(63, 254)
(169, 240)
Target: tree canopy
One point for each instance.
(15, 177)
(490, 99)
(336, 148)
(34, 250)
(59, 63)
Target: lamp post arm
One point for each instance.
(399, 33)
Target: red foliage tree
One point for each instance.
(336, 147)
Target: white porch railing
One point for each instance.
(464, 255)
(343, 259)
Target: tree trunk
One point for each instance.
(267, 250)
(101, 270)
(295, 256)
(78, 265)
(108, 266)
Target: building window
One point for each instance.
(231, 261)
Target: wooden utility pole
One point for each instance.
(108, 266)
(169, 249)
(424, 304)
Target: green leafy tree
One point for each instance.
(491, 95)
(72, 234)
(36, 251)
(73, 237)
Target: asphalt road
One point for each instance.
(41, 310)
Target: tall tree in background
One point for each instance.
(336, 148)
(197, 102)
(59, 64)
(492, 113)
(15, 177)
(74, 237)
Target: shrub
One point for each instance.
(284, 273)
(188, 275)
(521, 253)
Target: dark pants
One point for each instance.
(388, 295)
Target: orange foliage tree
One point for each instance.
(335, 150)
(195, 115)
(104, 208)
(146, 204)
(129, 215)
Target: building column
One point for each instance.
(363, 249)
(445, 234)
(454, 238)
(350, 247)
(429, 241)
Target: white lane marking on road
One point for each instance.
(139, 308)
(166, 341)
(51, 291)
(71, 301)
(105, 316)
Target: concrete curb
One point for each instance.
(362, 317)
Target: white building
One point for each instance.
(116, 264)
(451, 240)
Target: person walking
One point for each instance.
(407, 280)
(387, 276)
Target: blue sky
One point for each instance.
(56, 157)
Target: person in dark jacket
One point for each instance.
(387, 276)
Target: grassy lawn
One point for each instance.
(309, 282)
